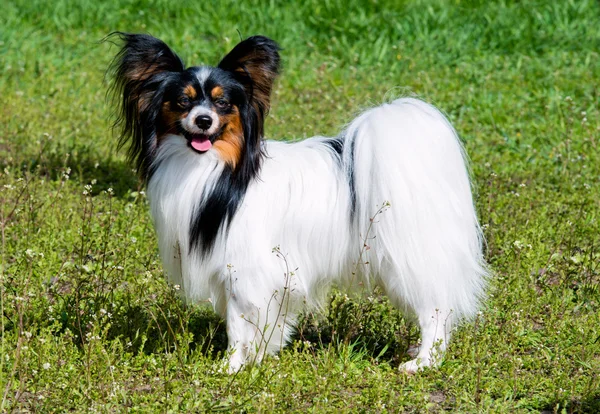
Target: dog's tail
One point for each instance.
(425, 247)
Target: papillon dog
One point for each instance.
(262, 228)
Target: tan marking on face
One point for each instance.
(169, 120)
(190, 91)
(216, 92)
(230, 143)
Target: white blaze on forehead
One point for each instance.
(202, 74)
(189, 122)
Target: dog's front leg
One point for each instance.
(257, 326)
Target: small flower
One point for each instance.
(46, 366)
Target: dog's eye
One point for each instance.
(183, 102)
(221, 103)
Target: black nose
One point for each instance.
(204, 121)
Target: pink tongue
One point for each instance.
(201, 144)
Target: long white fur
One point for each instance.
(424, 250)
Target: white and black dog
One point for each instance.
(223, 198)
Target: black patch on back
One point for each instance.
(350, 175)
(337, 145)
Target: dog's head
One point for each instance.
(219, 109)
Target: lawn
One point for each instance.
(87, 319)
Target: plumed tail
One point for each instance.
(426, 246)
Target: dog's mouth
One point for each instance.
(200, 142)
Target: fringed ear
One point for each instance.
(254, 62)
(140, 70)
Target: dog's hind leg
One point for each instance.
(435, 321)
(436, 325)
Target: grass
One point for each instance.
(87, 320)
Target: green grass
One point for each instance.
(87, 320)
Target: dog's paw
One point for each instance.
(414, 365)
(234, 369)
(234, 363)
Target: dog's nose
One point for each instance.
(204, 121)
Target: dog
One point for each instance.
(262, 228)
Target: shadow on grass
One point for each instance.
(149, 332)
(85, 164)
(377, 335)
(163, 322)
(164, 326)
(372, 325)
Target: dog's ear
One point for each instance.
(255, 63)
(140, 70)
(141, 58)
